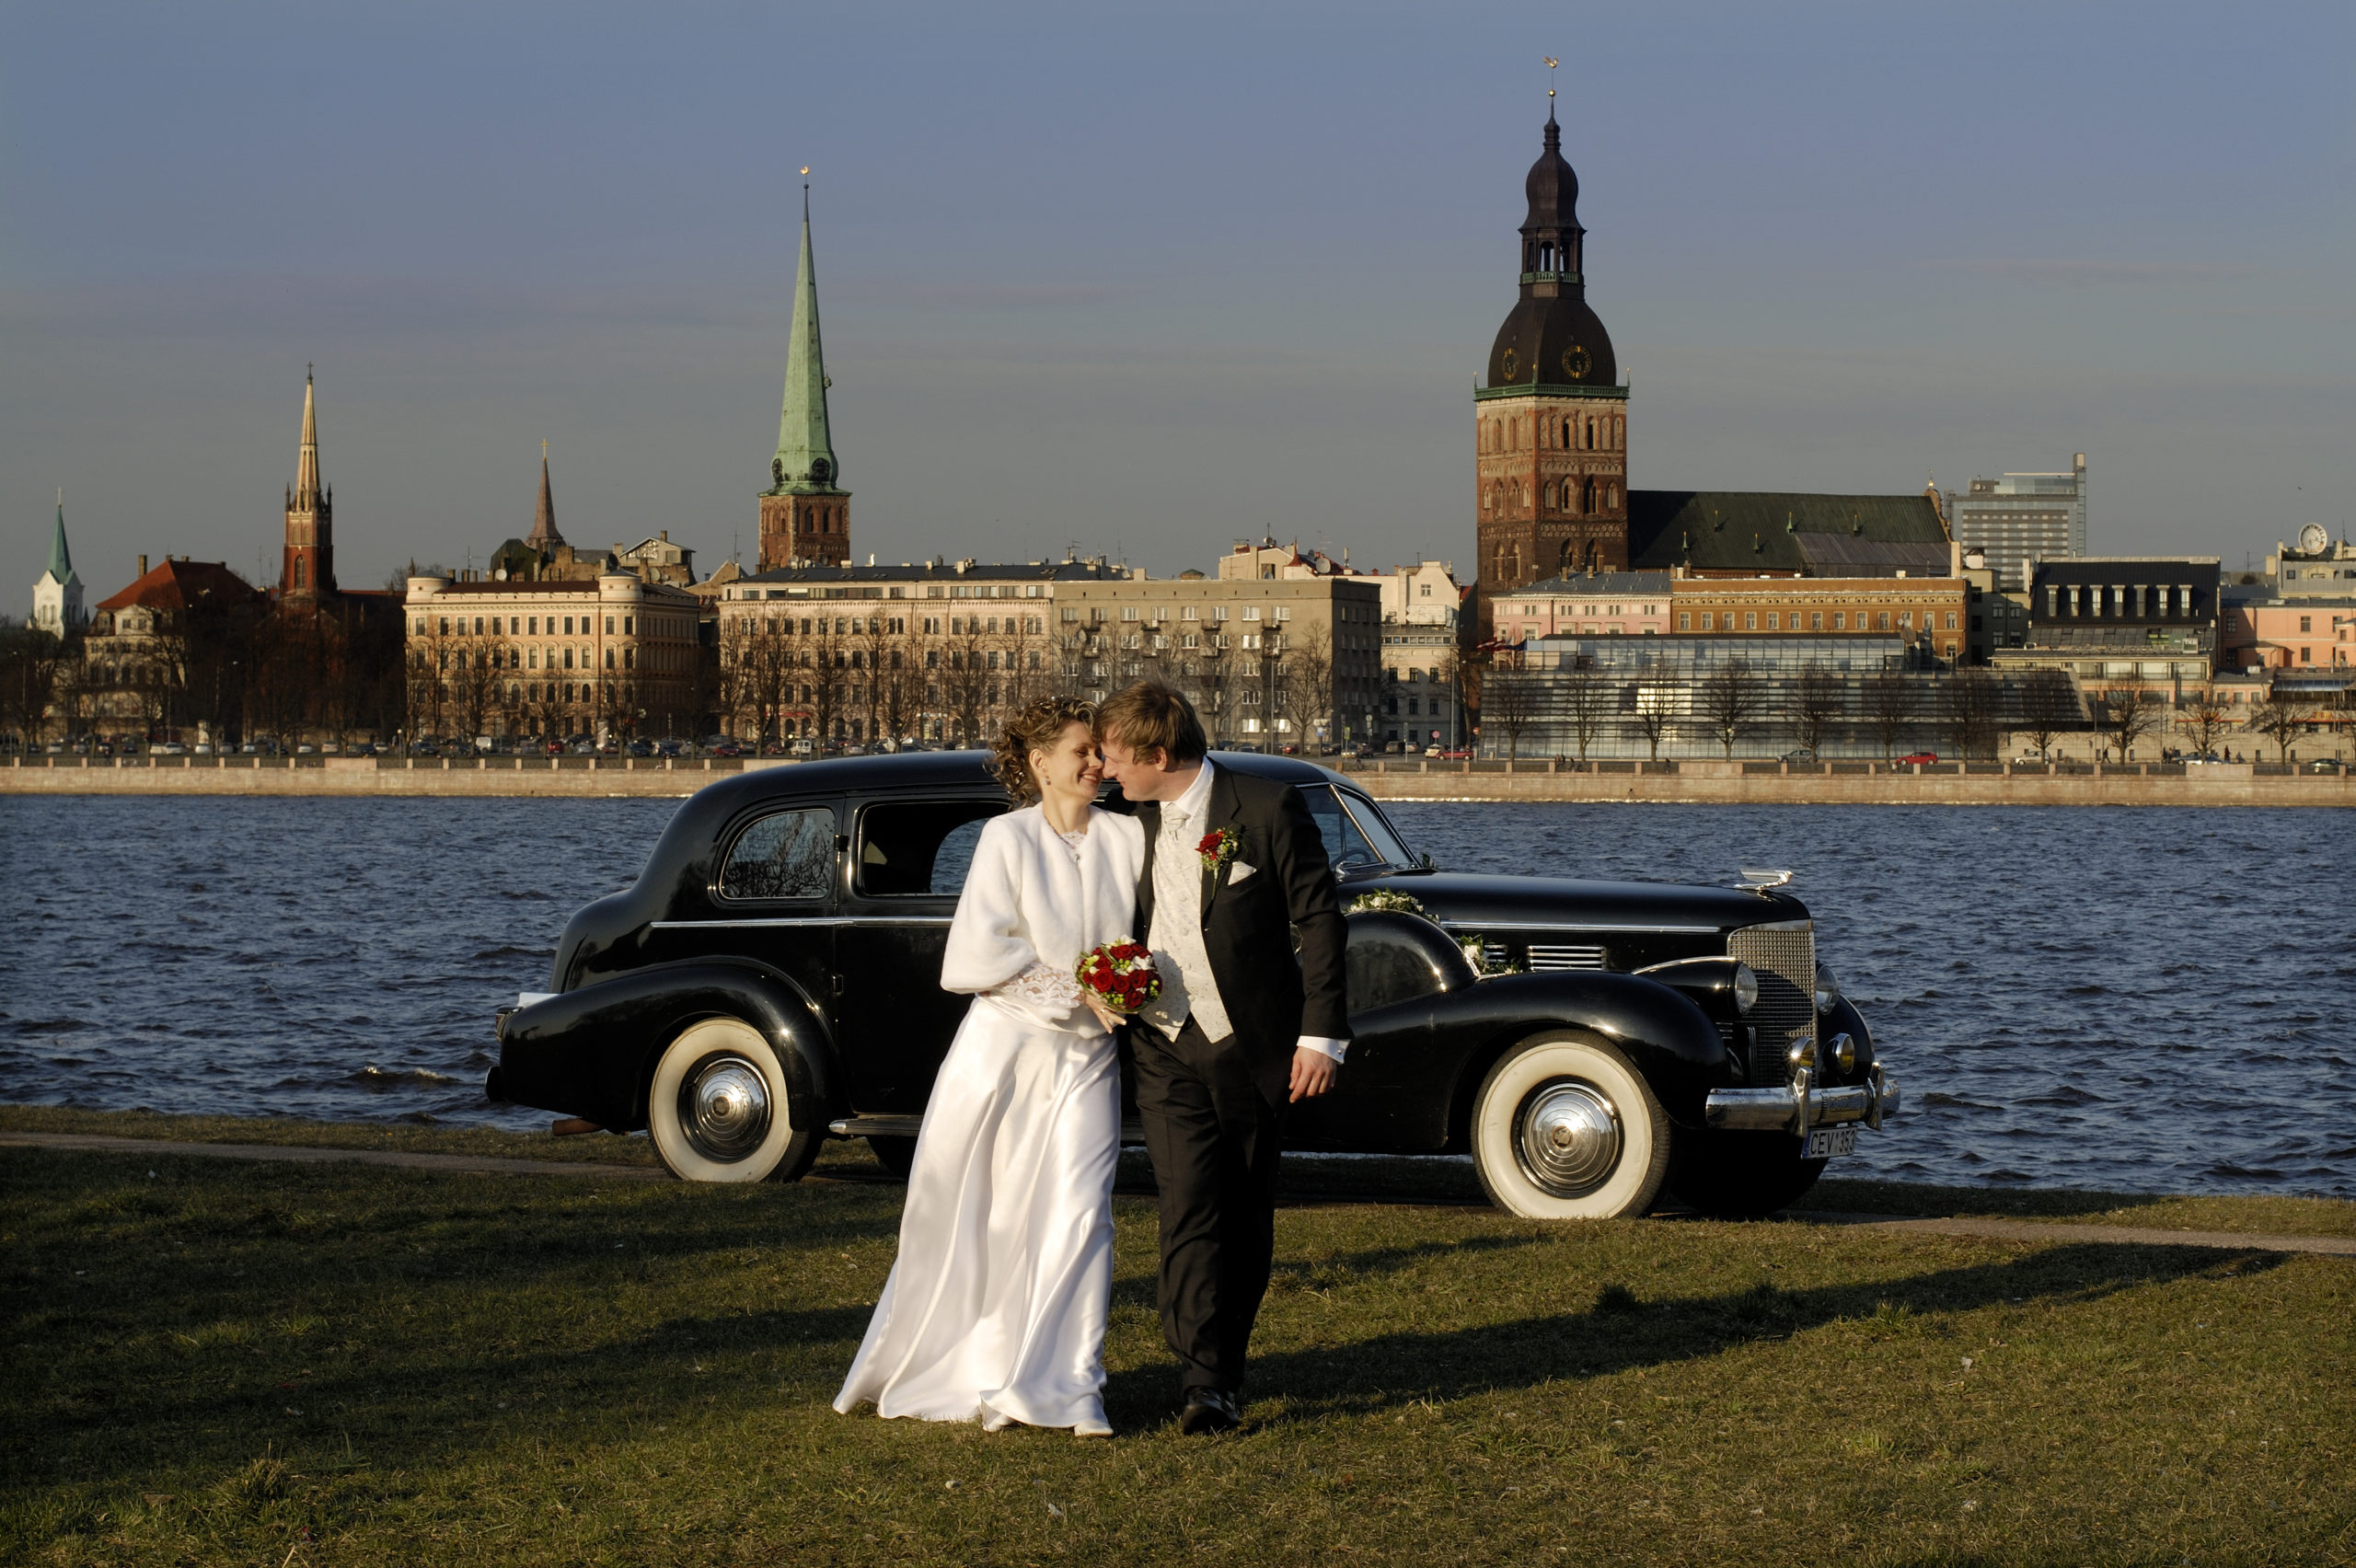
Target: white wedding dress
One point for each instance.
(995, 1310)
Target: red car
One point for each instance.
(1925, 758)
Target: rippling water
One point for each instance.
(2143, 999)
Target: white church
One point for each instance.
(57, 596)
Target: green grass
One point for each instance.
(1308, 1177)
(214, 1362)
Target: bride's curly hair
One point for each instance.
(1037, 726)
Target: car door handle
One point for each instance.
(837, 985)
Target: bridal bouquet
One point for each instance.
(1121, 976)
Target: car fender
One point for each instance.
(590, 1053)
(1842, 1017)
(1664, 1033)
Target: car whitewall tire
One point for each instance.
(1563, 1127)
(719, 1110)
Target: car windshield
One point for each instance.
(1356, 837)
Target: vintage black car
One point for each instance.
(772, 979)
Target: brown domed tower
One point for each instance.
(1551, 416)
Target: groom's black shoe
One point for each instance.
(1209, 1410)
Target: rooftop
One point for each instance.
(1754, 530)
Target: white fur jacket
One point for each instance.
(1027, 913)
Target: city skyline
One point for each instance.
(1253, 302)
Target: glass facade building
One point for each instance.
(2023, 518)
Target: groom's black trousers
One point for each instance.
(1213, 1141)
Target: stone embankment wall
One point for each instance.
(1710, 782)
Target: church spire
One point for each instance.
(544, 537)
(61, 559)
(804, 463)
(306, 466)
(306, 570)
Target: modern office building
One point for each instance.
(2023, 518)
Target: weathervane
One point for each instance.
(1551, 64)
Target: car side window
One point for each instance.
(788, 853)
(1345, 845)
(920, 849)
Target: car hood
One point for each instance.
(1464, 898)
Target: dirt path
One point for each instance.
(1984, 1229)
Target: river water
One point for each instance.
(2159, 1001)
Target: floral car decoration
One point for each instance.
(1121, 976)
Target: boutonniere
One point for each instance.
(1217, 848)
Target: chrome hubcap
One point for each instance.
(1568, 1137)
(724, 1106)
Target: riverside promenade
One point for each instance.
(1691, 782)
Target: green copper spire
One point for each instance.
(805, 463)
(61, 561)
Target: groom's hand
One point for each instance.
(1313, 1073)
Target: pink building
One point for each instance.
(1602, 603)
(2297, 634)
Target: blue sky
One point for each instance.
(1148, 279)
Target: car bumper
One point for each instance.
(1799, 1105)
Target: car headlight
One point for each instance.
(1746, 988)
(1828, 989)
(1843, 1050)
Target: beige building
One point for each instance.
(1925, 612)
(1425, 594)
(612, 656)
(940, 652)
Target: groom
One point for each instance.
(1233, 869)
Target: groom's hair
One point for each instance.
(1151, 718)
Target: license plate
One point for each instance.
(1825, 1142)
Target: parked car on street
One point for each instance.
(1922, 759)
(771, 981)
(1799, 754)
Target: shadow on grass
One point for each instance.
(1621, 1331)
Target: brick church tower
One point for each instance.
(806, 515)
(1553, 442)
(306, 572)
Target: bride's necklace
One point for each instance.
(1072, 840)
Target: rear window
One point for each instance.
(788, 853)
(920, 849)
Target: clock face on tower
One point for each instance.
(1575, 362)
(1510, 364)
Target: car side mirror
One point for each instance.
(1424, 860)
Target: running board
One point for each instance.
(908, 1127)
(876, 1126)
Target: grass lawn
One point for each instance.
(215, 1362)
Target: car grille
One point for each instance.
(1782, 954)
(1564, 955)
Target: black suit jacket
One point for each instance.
(1272, 998)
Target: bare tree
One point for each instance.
(1891, 702)
(1969, 713)
(2048, 709)
(1731, 699)
(1305, 687)
(1589, 701)
(2203, 719)
(2126, 714)
(34, 669)
(1814, 704)
(1652, 714)
(1509, 702)
(2281, 717)
(966, 679)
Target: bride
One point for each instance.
(995, 1310)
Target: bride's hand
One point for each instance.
(1105, 1015)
